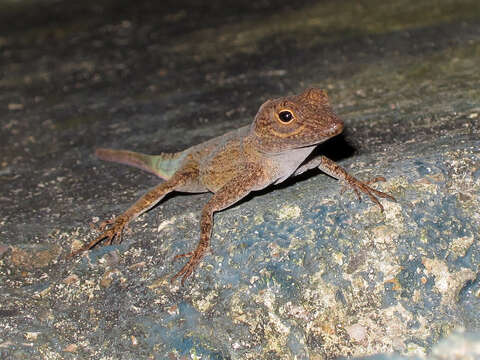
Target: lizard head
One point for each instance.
(295, 121)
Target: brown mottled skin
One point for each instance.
(284, 133)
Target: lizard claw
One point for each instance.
(190, 266)
(111, 229)
(364, 187)
(179, 256)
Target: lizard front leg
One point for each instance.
(331, 168)
(251, 177)
(113, 229)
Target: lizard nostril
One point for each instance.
(337, 127)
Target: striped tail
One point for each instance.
(163, 165)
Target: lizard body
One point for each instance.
(274, 147)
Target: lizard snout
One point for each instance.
(336, 127)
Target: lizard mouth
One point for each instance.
(285, 135)
(334, 130)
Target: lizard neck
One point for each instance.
(252, 143)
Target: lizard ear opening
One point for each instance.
(285, 116)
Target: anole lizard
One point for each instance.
(274, 147)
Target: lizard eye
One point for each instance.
(285, 116)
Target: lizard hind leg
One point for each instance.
(112, 230)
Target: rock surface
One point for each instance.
(296, 271)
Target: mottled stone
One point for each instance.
(296, 271)
(30, 257)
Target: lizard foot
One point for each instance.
(190, 266)
(364, 187)
(111, 229)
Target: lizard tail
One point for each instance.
(163, 165)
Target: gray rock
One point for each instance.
(296, 271)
